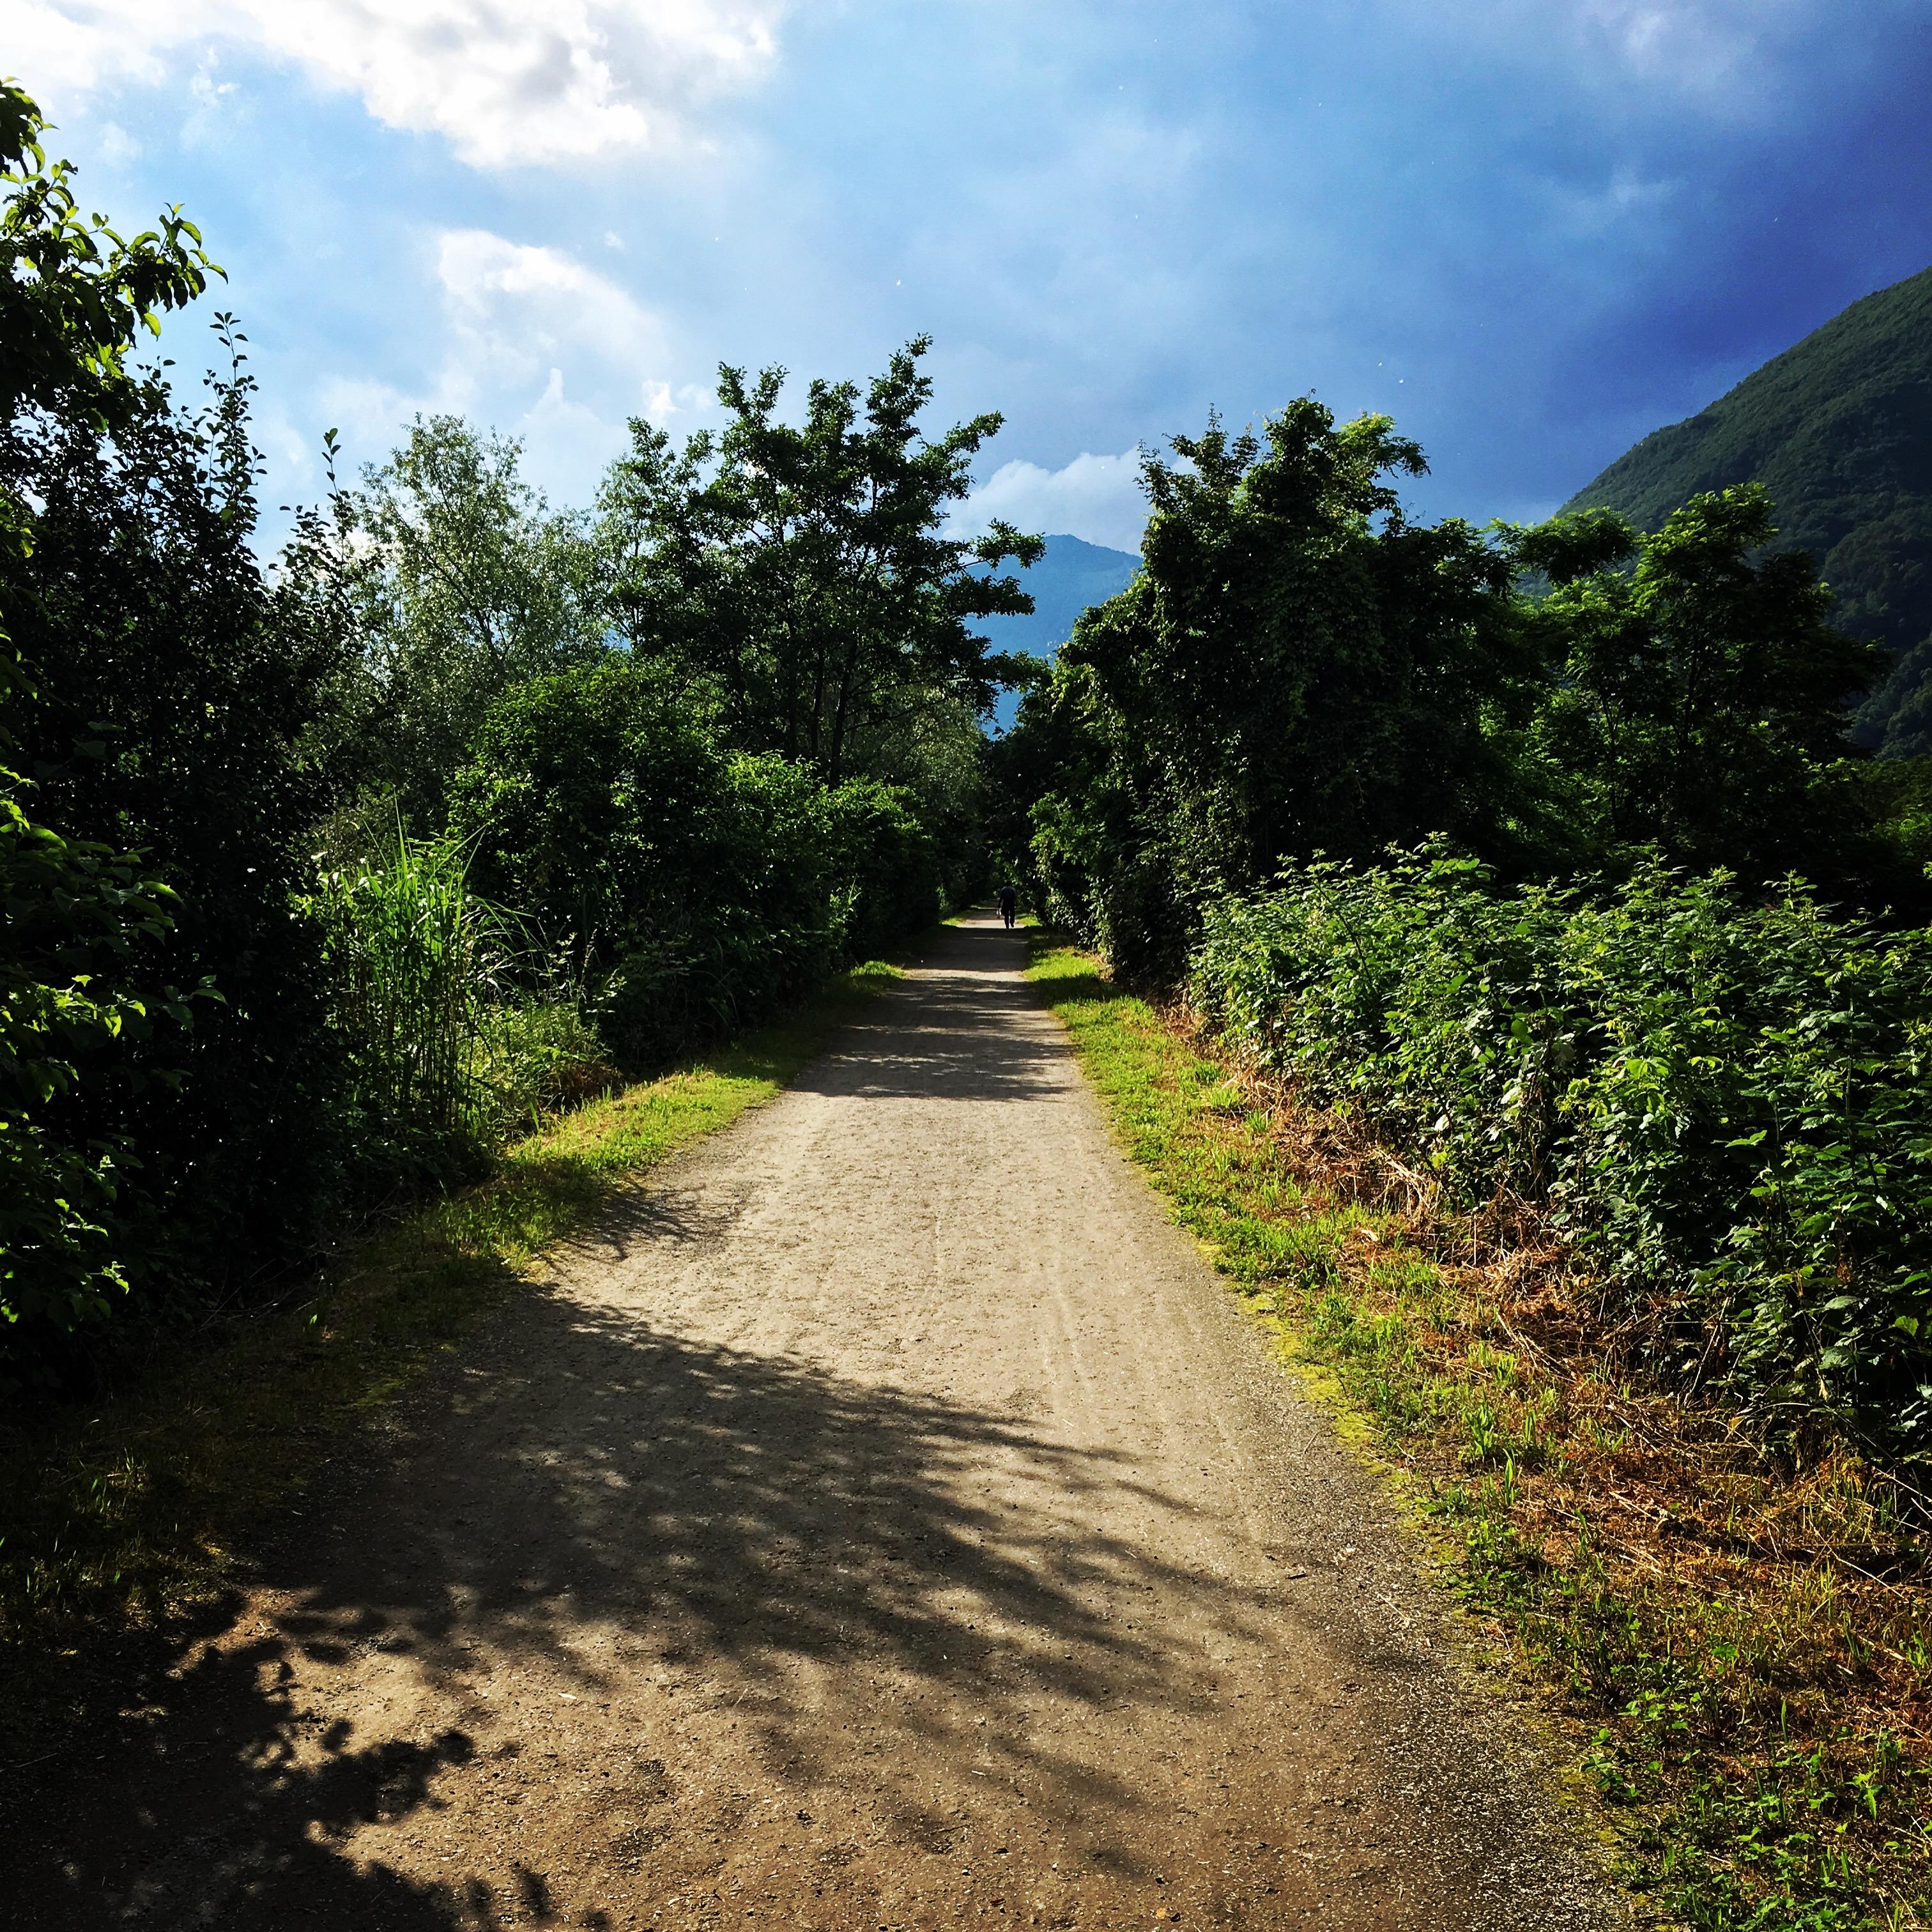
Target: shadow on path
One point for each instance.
(581, 1475)
(968, 1030)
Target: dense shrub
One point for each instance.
(692, 887)
(885, 866)
(1724, 1099)
(79, 917)
(163, 698)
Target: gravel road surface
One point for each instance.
(883, 1519)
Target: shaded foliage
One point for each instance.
(79, 918)
(1696, 692)
(170, 698)
(1296, 665)
(693, 887)
(162, 1030)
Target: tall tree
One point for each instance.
(801, 573)
(161, 1039)
(1297, 666)
(453, 581)
(1698, 692)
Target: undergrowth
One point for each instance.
(1741, 1648)
(121, 1516)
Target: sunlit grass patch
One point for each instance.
(117, 1515)
(1744, 1649)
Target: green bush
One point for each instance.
(886, 866)
(692, 889)
(415, 960)
(1724, 1099)
(165, 1090)
(534, 1056)
(77, 916)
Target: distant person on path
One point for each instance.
(1008, 903)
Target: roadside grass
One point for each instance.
(1741, 1652)
(120, 1517)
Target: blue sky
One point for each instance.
(1529, 229)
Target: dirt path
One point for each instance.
(886, 1520)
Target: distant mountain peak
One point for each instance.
(1073, 576)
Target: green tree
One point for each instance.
(1699, 696)
(80, 917)
(1297, 666)
(690, 887)
(75, 295)
(165, 1068)
(452, 580)
(800, 575)
(935, 752)
(171, 688)
(589, 800)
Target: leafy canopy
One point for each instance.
(451, 581)
(801, 573)
(1697, 689)
(1297, 665)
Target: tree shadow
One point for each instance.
(973, 1035)
(581, 1471)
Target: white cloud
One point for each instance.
(662, 400)
(515, 311)
(568, 440)
(528, 333)
(1627, 196)
(505, 82)
(1095, 497)
(1730, 52)
(56, 47)
(210, 107)
(116, 146)
(1690, 42)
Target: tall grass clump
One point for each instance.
(1721, 1098)
(447, 1046)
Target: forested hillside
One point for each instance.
(1838, 429)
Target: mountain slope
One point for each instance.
(1839, 430)
(1072, 576)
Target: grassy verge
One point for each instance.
(119, 1520)
(1743, 1651)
